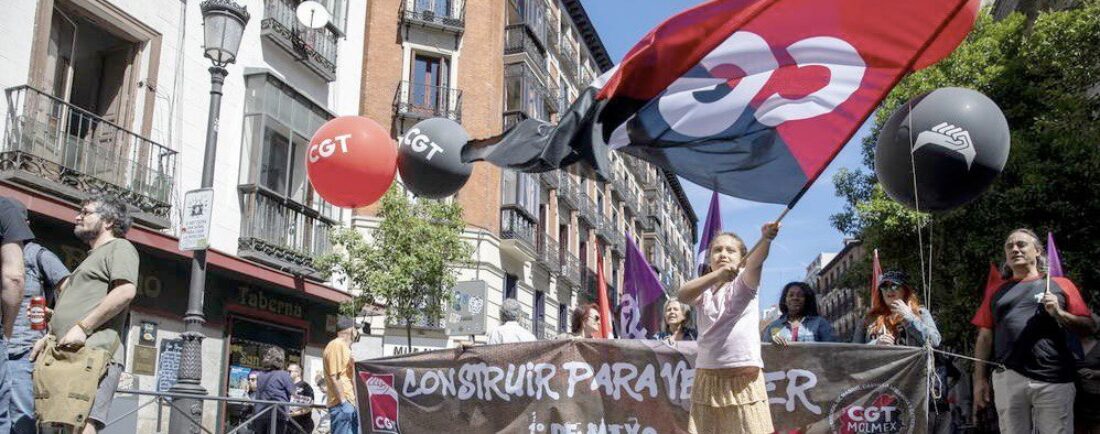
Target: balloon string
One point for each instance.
(916, 204)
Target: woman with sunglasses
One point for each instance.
(585, 322)
(896, 316)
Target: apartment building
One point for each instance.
(843, 306)
(489, 64)
(113, 95)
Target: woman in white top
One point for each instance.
(728, 394)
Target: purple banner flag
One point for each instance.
(643, 296)
(1054, 264)
(711, 227)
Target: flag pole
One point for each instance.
(777, 220)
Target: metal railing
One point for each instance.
(58, 141)
(548, 254)
(423, 101)
(568, 60)
(281, 229)
(317, 47)
(534, 100)
(586, 207)
(516, 225)
(567, 192)
(517, 39)
(450, 16)
(273, 411)
(570, 267)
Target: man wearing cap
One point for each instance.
(509, 330)
(339, 374)
(1025, 324)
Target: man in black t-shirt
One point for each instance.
(1027, 328)
(303, 394)
(13, 232)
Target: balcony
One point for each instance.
(281, 232)
(568, 60)
(518, 40)
(517, 233)
(425, 101)
(568, 191)
(570, 268)
(587, 208)
(525, 95)
(548, 253)
(604, 227)
(448, 16)
(55, 146)
(315, 48)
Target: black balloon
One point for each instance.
(958, 141)
(429, 158)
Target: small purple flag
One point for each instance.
(1054, 264)
(643, 296)
(711, 227)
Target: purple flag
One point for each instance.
(643, 296)
(1054, 264)
(711, 227)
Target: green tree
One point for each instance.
(1045, 76)
(410, 263)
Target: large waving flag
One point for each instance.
(643, 297)
(712, 227)
(751, 98)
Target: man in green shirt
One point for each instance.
(93, 302)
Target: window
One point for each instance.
(430, 81)
(510, 282)
(538, 313)
(563, 318)
(339, 11)
(278, 124)
(521, 190)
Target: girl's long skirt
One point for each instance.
(729, 401)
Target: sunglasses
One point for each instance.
(594, 317)
(890, 287)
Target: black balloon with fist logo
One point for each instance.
(429, 158)
(956, 139)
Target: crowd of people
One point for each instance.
(1040, 338)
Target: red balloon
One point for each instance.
(351, 161)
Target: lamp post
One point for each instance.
(223, 24)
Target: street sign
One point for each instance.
(466, 312)
(198, 207)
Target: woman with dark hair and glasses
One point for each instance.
(800, 321)
(585, 322)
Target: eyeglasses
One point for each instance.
(889, 287)
(594, 317)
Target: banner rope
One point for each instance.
(960, 356)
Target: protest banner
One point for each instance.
(633, 386)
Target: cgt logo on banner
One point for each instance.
(888, 411)
(384, 417)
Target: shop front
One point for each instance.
(249, 308)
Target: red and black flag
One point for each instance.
(750, 98)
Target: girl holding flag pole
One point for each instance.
(728, 393)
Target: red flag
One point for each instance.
(605, 305)
(994, 279)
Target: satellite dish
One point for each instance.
(313, 14)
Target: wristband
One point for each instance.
(84, 328)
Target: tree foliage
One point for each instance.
(409, 265)
(1045, 76)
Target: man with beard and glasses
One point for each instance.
(93, 302)
(1026, 325)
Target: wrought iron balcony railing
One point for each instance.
(423, 101)
(447, 15)
(70, 151)
(568, 191)
(281, 232)
(570, 267)
(517, 39)
(548, 253)
(568, 60)
(517, 225)
(316, 48)
(587, 207)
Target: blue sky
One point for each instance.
(806, 230)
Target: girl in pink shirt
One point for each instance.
(729, 395)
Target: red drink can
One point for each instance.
(36, 312)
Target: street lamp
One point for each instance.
(223, 24)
